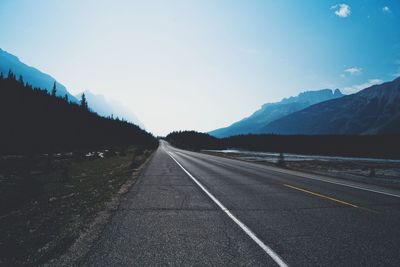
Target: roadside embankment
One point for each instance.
(48, 201)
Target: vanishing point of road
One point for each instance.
(191, 208)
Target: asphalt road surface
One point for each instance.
(196, 209)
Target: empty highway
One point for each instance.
(190, 208)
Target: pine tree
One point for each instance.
(11, 75)
(84, 103)
(66, 98)
(54, 90)
(21, 80)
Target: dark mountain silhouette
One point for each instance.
(33, 121)
(374, 110)
(107, 108)
(272, 111)
(31, 75)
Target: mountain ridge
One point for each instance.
(373, 110)
(272, 111)
(33, 76)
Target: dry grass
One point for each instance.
(47, 201)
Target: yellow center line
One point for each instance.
(322, 196)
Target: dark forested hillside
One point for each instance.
(32, 120)
(31, 75)
(380, 146)
(193, 140)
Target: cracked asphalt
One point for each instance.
(166, 219)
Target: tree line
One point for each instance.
(193, 140)
(381, 146)
(33, 120)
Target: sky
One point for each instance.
(204, 64)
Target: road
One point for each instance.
(190, 208)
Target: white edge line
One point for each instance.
(250, 233)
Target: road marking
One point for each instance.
(342, 184)
(322, 196)
(250, 233)
(307, 176)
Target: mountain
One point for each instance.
(106, 108)
(31, 75)
(273, 111)
(33, 121)
(36, 78)
(374, 110)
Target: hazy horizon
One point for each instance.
(202, 65)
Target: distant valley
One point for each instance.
(374, 110)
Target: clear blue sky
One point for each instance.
(207, 63)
